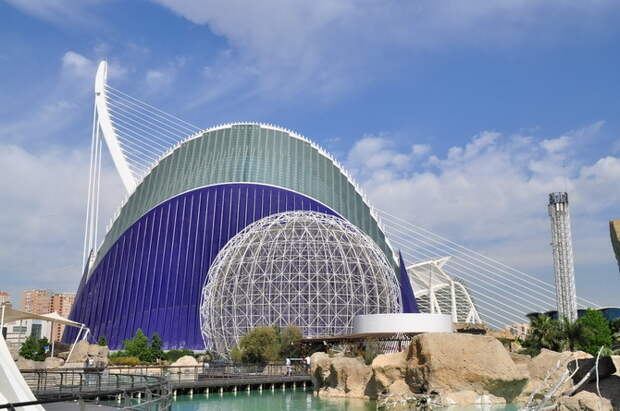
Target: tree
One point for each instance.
(265, 344)
(289, 338)
(156, 346)
(573, 333)
(34, 348)
(138, 346)
(597, 332)
(102, 341)
(260, 345)
(543, 333)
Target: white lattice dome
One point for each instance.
(304, 268)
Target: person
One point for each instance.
(308, 363)
(289, 369)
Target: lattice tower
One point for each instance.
(562, 246)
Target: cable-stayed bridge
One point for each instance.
(138, 135)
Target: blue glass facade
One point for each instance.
(152, 277)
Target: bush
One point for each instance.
(34, 348)
(102, 341)
(597, 332)
(268, 344)
(139, 347)
(131, 361)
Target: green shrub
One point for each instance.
(34, 348)
(597, 332)
(102, 341)
(268, 344)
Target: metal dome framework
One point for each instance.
(302, 268)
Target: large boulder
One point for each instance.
(349, 377)
(390, 373)
(320, 364)
(185, 361)
(83, 350)
(583, 401)
(547, 368)
(443, 363)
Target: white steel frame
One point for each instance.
(304, 268)
(437, 293)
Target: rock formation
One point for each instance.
(461, 362)
(184, 361)
(458, 370)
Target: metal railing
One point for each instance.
(199, 372)
(48, 386)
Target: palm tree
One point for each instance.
(573, 333)
(544, 333)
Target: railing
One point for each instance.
(62, 385)
(179, 374)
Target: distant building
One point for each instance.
(5, 298)
(61, 304)
(611, 313)
(614, 229)
(46, 301)
(37, 301)
(519, 330)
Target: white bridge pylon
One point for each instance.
(109, 134)
(137, 136)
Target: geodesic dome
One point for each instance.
(302, 268)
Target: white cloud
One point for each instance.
(319, 46)
(59, 11)
(491, 194)
(43, 196)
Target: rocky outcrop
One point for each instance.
(390, 374)
(50, 362)
(186, 360)
(583, 401)
(84, 350)
(341, 377)
(459, 362)
(540, 366)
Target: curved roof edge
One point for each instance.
(273, 127)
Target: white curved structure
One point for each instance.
(400, 323)
(437, 293)
(303, 268)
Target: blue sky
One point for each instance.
(459, 116)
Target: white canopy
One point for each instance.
(10, 314)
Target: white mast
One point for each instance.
(562, 245)
(109, 134)
(102, 124)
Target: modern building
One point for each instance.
(437, 293)
(16, 332)
(37, 301)
(614, 230)
(150, 270)
(5, 298)
(611, 313)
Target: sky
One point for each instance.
(460, 116)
